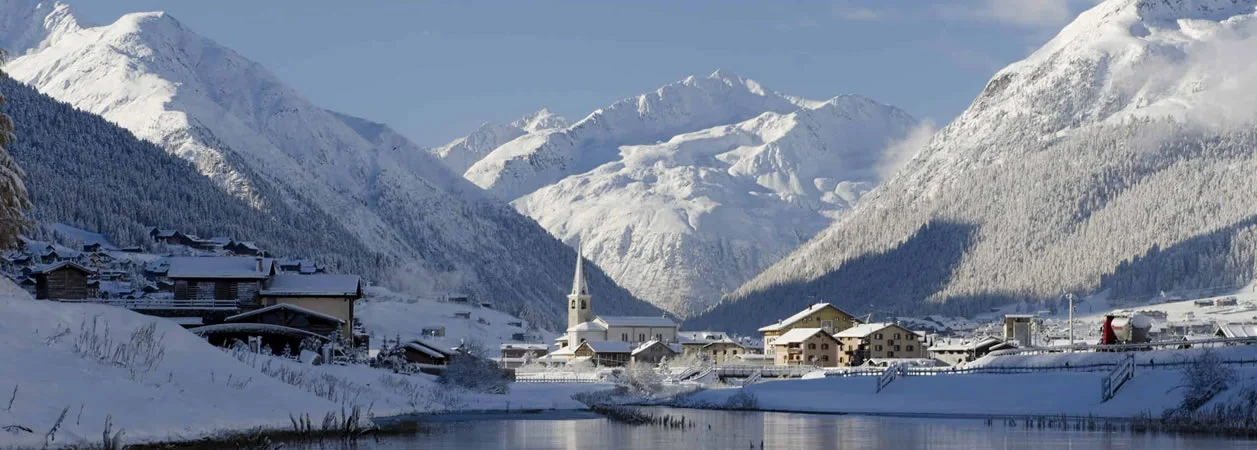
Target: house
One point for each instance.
(433, 332)
(423, 352)
(722, 352)
(805, 346)
(515, 355)
(244, 248)
(878, 340)
(93, 247)
(290, 316)
(1236, 330)
(1019, 328)
(654, 352)
(333, 295)
(172, 237)
(62, 280)
(238, 278)
(821, 315)
(693, 341)
(953, 353)
(604, 353)
(462, 315)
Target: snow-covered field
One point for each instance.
(183, 388)
(386, 314)
(1045, 393)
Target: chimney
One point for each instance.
(259, 261)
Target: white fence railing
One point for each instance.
(1124, 371)
(1162, 345)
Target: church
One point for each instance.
(626, 331)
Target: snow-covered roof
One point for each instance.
(860, 331)
(239, 267)
(609, 346)
(797, 335)
(723, 342)
(1238, 330)
(690, 337)
(313, 285)
(62, 264)
(587, 326)
(525, 347)
(649, 344)
(425, 350)
(248, 327)
(565, 351)
(419, 344)
(285, 306)
(799, 316)
(637, 321)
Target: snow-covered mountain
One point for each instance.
(532, 161)
(242, 127)
(1119, 157)
(682, 222)
(684, 193)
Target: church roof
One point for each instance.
(579, 286)
(637, 321)
(587, 326)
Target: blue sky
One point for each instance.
(434, 70)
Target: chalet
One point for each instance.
(171, 237)
(238, 278)
(291, 316)
(693, 341)
(93, 247)
(953, 353)
(653, 352)
(806, 346)
(244, 248)
(722, 352)
(423, 352)
(821, 315)
(29, 285)
(879, 340)
(604, 353)
(333, 295)
(515, 355)
(63, 280)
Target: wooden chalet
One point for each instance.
(238, 278)
(333, 295)
(62, 280)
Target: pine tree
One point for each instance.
(13, 199)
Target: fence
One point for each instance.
(159, 303)
(1124, 371)
(1202, 343)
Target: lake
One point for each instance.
(725, 430)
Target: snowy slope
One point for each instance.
(462, 153)
(682, 222)
(242, 127)
(1116, 156)
(532, 161)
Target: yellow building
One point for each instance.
(333, 295)
(806, 346)
(878, 340)
(821, 315)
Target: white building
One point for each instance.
(583, 326)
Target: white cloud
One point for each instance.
(844, 10)
(899, 153)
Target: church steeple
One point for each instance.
(579, 307)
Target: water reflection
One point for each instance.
(724, 430)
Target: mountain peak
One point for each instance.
(540, 121)
(725, 74)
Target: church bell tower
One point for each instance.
(579, 301)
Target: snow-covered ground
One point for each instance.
(386, 314)
(183, 388)
(1045, 393)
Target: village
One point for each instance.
(234, 293)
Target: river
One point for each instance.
(725, 430)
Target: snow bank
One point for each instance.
(192, 390)
(1152, 391)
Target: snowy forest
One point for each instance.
(1133, 209)
(86, 172)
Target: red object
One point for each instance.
(1109, 337)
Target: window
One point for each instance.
(824, 346)
(890, 354)
(584, 305)
(735, 352)
(878, 336)
(641, 337)
(811, 346)
(624, 337)
(898, 336)
(824, 357)
(659, 337)
(879, 348)
(912, 336)
(910, 348)
(827, 324)
(573, 304)
(897, 348)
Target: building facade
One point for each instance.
(821, 315)
(806, 346)
(879, 340)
